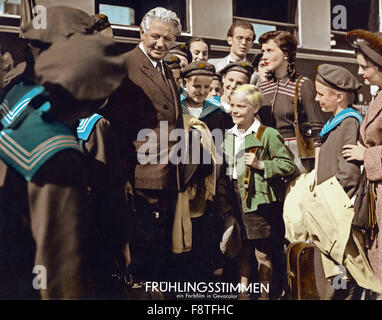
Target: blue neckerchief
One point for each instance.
(19, 99)
(36, 139)
(210, 104)
(86, 126)
(335, 121)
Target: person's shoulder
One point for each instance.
(350, 123)
(305, 81)
(132, 55)
(271, 133)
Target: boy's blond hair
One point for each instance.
(252, 93)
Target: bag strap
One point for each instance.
(259, 135)
(296, 100)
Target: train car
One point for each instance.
(319, 26)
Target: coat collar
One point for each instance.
(153, 74)
(250, 141)
(374, 110)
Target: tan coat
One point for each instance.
(371, 133)
(323, 216)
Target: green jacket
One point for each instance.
(277, 163)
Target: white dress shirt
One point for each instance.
(239, 137)
(155, 63)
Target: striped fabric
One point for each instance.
(86, 126)
(279, 87)
(35, 141)
(335, 121)
(17, 101)
(210, 104)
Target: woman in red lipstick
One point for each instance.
(279, 55)
(368, 47)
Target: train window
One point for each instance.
(10, 7)
(267, 15)
(275, 10)
(348, 15)
(131, 12)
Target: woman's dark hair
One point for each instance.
(287, 44)
(196, 39)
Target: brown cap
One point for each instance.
(101, 22)
(172, 61)
(217, 76)
(182, 50)
(337, 78)
(62, 22)
(94, 71)
(198, 68)
(240, 66)
(369, 43)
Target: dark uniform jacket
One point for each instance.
(332, 163)
(44, 222)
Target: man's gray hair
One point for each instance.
(163, 15)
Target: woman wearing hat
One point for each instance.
(368, 150)
(279, 54)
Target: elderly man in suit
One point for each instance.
(240, 37)
(144, 112)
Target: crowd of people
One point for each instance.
(161, 164)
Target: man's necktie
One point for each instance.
(159, 67)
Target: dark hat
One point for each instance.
(61, 22)
(217, 76)
(369, 43)
(256, 60)
(93, 72)
(337, 78)
(197, 68)
(240, 66)
(172, 61)
(101, 22)
(182, 50)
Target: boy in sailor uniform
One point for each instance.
(318, 205)
(198, 76)
(44, 186)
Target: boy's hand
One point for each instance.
(252, 161)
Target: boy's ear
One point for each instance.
(340, 97)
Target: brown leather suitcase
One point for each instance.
(300, 267)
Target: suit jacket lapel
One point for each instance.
(148, 69)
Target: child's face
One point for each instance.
(198, 87)
(232, 80)
(215, 89)
(326, 97)
(242, 112)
